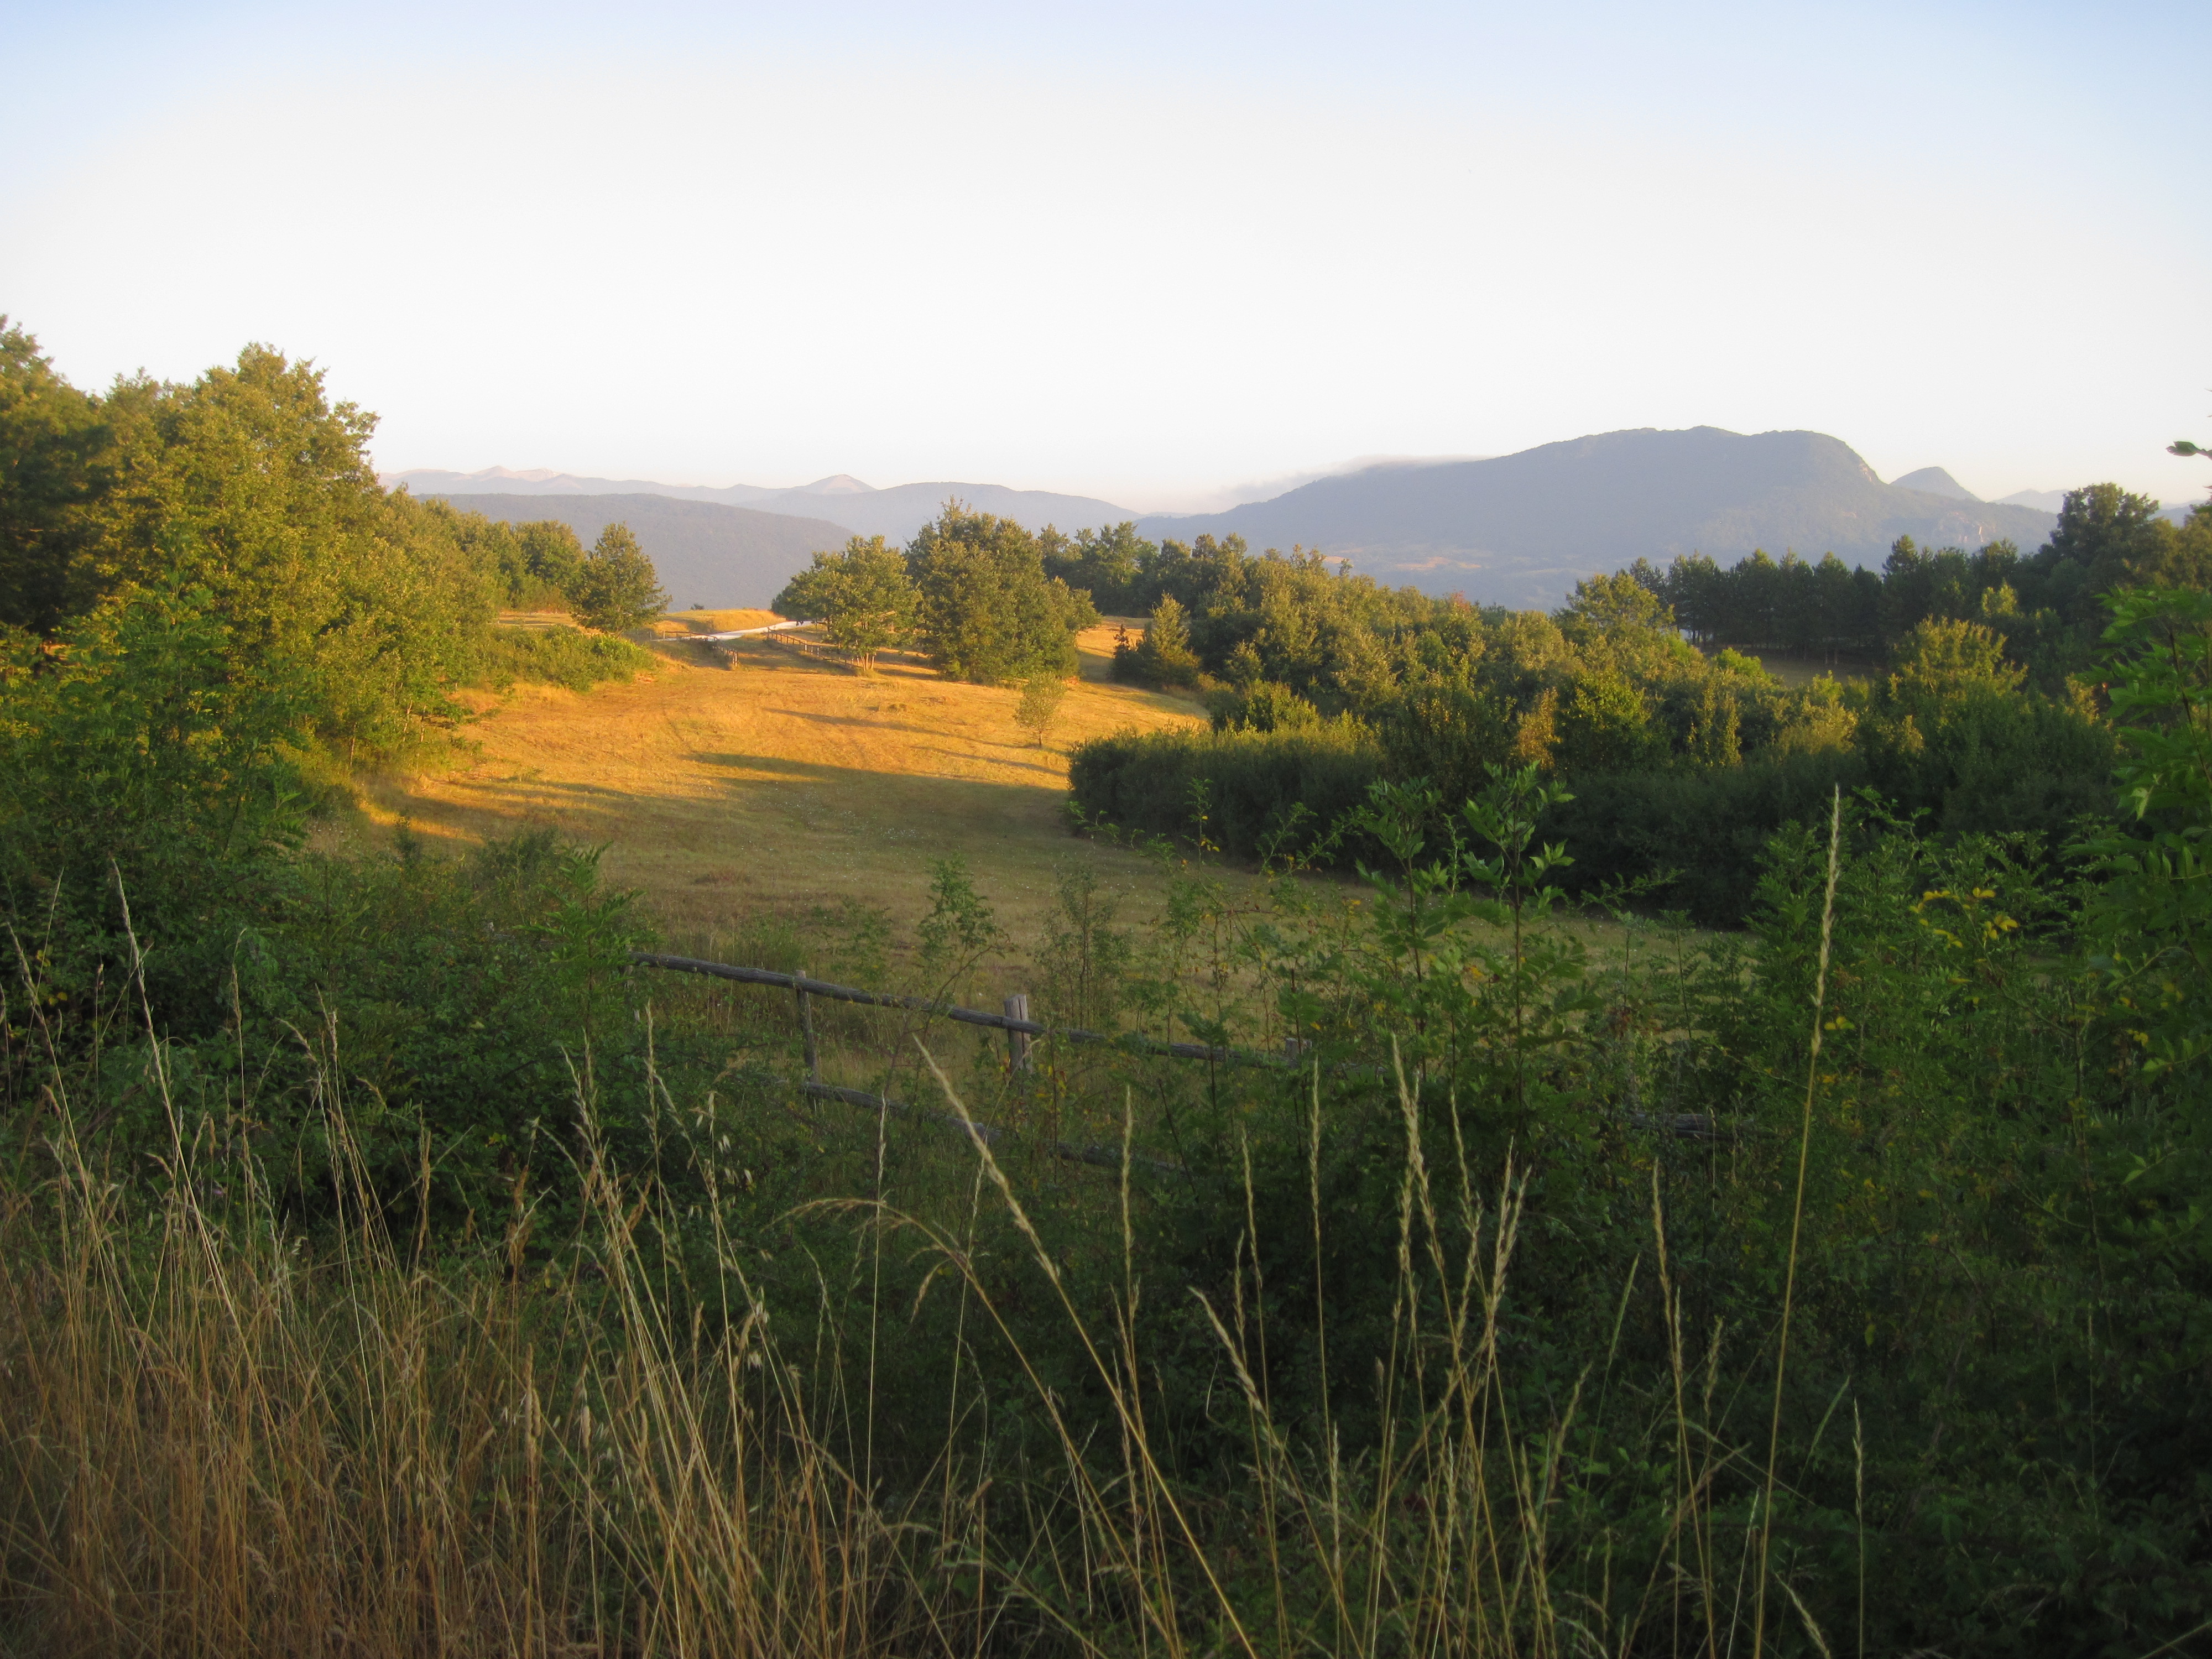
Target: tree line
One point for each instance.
(2047, 606)
(211, 615)
(1972, 710)
(247, 497)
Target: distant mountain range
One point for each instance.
(542, 481)
(707, 552)
(1516, 530)
(2043, 500)
(1935, 481)
(897, 513)
(1520, 530)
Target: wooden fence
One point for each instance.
(1015, 1024)
(1021, 1030)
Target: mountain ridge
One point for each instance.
(1521, 529)
(543, 481)
(897, 512)
(1517, 530)
(1935, 481)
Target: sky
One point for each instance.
(1168, 254)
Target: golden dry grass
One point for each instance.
(778, 783)
(677, 623)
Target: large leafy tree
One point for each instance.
(616, 586)
(54, 446)
(250, 483)
(2105, 534)
(534, 564)
(2157, 900)
(862, 595)
(989, 612)
(551, 556)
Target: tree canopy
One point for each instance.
(54, 441)
(614, 586)
(987, 610)
(248, 495)
(862, 594)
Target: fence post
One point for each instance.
(1017, 1042)
(806, 1031)
(1294, 1048)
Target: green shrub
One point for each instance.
(558, 656)
(1702, 833)
(137, 767)
(1261, 706)
(1240, 791)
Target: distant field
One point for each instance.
(779, 784)
(1795, 671)
(677, 623)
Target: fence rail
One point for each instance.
(1010, 1023)
(746, 633)
(1682, 1126)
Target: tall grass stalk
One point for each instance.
(219, 1440)
(1796, 1232)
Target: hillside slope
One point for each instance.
(542, 481)
(1521, 529)
(897, 512)
(707, 553)
(774, 784)
(902, 509)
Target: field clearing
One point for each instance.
(677, 624)
(741, 783)
(777, 784)
(1797, 672)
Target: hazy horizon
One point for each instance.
(1159, 255)
(1217, 500)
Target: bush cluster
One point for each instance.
(970, 591)
(1686, 762)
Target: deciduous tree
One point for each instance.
(862, 595)
(616, 586)
(987, 610)
(1040, 705)
(53, 441)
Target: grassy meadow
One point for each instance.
(754, 778)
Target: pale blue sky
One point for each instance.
(1145, 252)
